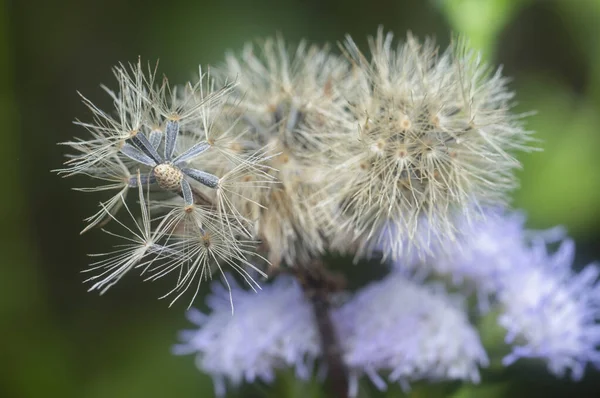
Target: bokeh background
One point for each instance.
(57, 340)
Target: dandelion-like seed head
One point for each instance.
(301, 151)
(287, 152)
(176, 139)
(281, 95)
(427, 133)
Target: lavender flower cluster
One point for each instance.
(408, 327)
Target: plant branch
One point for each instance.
(318, 284)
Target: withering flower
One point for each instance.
(427, 133)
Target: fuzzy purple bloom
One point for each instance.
(405, 328)
(270, 329)
(550, 312)
(425, 336)
(408, 331)
(478, 256)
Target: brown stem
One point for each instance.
(318, 285)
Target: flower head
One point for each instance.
(171, 140)
(271, 328)
(395, 327)
(427, 133)
(477, 256)
(550, 312)
(410, 332)
(286, 98)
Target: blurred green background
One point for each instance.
(59, 341)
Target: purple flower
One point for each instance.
(396, 326)
(270, 329)
(408, 331)
(406, 328)
(481, 251)
(550, 312)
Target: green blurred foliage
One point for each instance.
(562, 187)
(488, 390)
(480, 21)
(59, 341)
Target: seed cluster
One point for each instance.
(280, 155)
(428, 134)
(168, 177)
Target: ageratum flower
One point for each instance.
(550, 312)
(408, 331)
(404, 329)
(270, 329)
(425, 335)
(476, 257)
(428, 133)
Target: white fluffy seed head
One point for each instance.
(160, 132)
(306, 148)
(426, 134)
(285, 98)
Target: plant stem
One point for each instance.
(318, 285)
